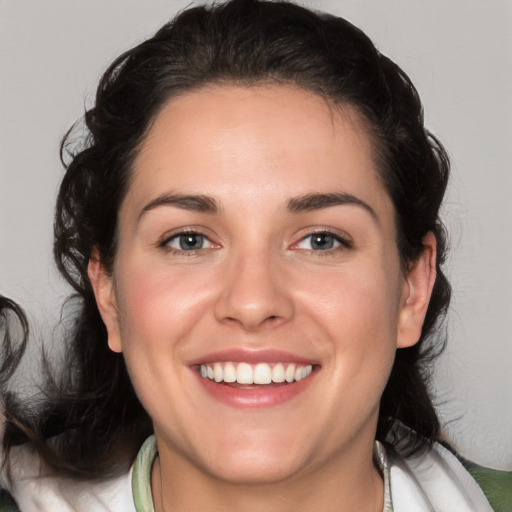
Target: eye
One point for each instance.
(187, 242)
(322, 241)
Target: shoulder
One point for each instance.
(496, 485)
(34, 488)
(438, 480)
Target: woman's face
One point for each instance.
(256, 242)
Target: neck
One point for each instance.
(342, 484)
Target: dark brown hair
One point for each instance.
(89, 421)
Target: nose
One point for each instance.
(254, 294)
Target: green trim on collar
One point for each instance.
(381, 459)
(141, 476)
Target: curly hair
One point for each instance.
(89, 422)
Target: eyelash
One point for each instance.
(164, 244)
(344, 243)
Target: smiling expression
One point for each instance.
(257, 293)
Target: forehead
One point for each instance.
(267, 143)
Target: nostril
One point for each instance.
(253, 306)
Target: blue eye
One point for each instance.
(187, 242)
(322, 241)
(191, 241)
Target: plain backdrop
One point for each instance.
(459, 55)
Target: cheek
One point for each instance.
(361, 299)
(156, 305)
(158, 310)
(358, 313)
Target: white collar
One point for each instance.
(434, 481)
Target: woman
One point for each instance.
(252, 229)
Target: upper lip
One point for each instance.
(253, 356)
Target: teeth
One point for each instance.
(217, 372)
(244, 374)
(290, 373)
(261, 373)
(229, 372)
(278, 374)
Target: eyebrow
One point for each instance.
(192, 202)
(310, 202)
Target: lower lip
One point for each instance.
(255, 397)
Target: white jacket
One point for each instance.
(436, 481)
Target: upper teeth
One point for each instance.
(261, 373)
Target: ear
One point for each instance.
(103, 286)
(416, 291)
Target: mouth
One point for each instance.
(252, 383)
(260, 374)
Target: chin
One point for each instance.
(260, 460)
(255, 470)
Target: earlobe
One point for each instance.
(416, 293)
(103, 286)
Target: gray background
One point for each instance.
(459, 55)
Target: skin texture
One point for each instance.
(258, 284)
